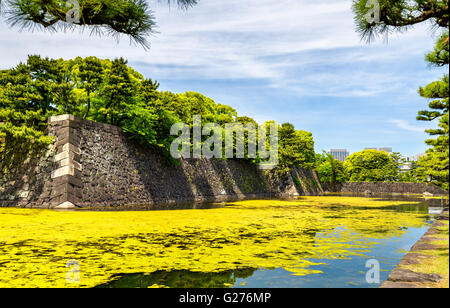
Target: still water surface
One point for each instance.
(310, 242)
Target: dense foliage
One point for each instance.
(330, 170)
(111, 17)
(435, 165)
(371, 166)
(296, 148)
(110, 91)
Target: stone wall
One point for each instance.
(30, 184)
(385, 188)
(118, 171)
(94, 164)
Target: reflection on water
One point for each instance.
(180, 279)
(310, 242)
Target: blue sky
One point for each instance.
(297, 61)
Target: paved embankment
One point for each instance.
(426, 265)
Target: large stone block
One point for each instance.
(60, 118)
(69, 123)
(71, 148)
(68, 139)
(69, 162)
(67, 179)
(66, 189)
(66, 206)
(65, 132)
(67, 170)
(65, 155)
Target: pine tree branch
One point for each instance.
(397, 15)
(132, 18)
(438, 14)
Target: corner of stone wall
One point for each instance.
(67, 185)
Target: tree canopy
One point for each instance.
(132, 18)
(371, 166)
(110, 91)
(330, 170)
(435, 165)
(296, 148)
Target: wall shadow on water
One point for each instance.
(179, 279)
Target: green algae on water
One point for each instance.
(35, 245)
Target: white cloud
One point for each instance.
(289, 60)
(281, 42)
(406, 126)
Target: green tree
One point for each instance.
(296, 148)
(435, 164)
(89, 78)
(155, 103)
(112, 92)
(148, 93)
(63, 88)
(400, 15)
(398, 159)
(197, 104)
(371, 166)
(26, 101)
(35, 80)
(413, 175)
(437, 91)
(117, 92)
(329, 169)
(105, 17)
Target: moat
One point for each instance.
(322, 241)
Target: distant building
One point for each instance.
(413, 158)
(339, 154)
(410, 159)
(389, 150)
(408, 163)
(405, 167)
